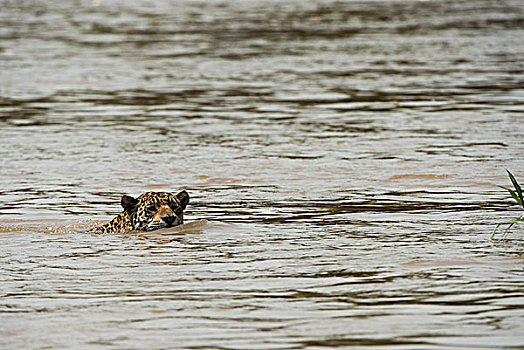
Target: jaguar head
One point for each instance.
(155, 210)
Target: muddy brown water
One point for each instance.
(342, 160)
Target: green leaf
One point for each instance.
(517, 187)
(513, 194)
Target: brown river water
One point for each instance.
(342, 159)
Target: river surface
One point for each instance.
(341, 157)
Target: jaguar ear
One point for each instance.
(128, 203)
(183, 197)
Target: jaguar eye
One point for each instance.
(151, 208)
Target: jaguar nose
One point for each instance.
(169, 219)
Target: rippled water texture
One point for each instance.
(342, 160)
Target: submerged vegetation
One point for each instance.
(517, 195)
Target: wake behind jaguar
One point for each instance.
(150, 211)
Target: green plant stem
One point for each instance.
(513, 222)
(519, 198)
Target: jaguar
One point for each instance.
(150, 211)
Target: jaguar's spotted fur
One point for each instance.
(150, 211)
